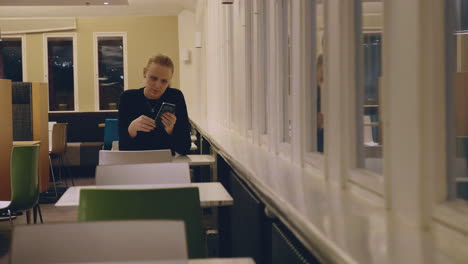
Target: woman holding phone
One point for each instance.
(138, 108)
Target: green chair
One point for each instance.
(142, 204)
(24, 181)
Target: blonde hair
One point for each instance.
(162, 60)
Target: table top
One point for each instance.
(212, 194)
(196, 160)
(222, 261)
(190, 261)
(26, 143)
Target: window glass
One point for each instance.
(369, 126)
(111, 71)
(12, 59)
(457, 99)
(319, 78)
(60, 73)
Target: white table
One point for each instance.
(212, 194)
(222, 261)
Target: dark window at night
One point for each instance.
(111, 71)
(12, 59)
(60, 70)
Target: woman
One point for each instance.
(138, 109)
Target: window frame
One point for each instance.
(74, 36)
(283, 27)
(96, 35)
(246, 19)
(311, 157)
(361, 177)
(261, 49)
(23, 52)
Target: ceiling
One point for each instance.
(78, 8)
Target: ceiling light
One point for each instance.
(106, 3)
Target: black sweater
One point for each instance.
(133, 104)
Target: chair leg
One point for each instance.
(69, 174)
(37, 209)
(62, 166)
(9, 216)
(28, 217)
(53, 177)
(34, 214)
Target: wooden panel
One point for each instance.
(41, 131)
(6, 138)
(461, 105)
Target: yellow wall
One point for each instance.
(146, 36)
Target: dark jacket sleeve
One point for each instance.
(181, 135)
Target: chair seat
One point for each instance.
(4, 204)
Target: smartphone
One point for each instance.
(165, 107)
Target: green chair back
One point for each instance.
(171, 204)
(24, 177)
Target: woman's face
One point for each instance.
(157, 79)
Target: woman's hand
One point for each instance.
(168, 120)
(142, 123)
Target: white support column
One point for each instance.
(298, 35)
(339, 83)
(413, 109)
(273, 111)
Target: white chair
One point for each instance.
(101, 241)
(368, 139)
(193, 147)
(115, 145)
(51, 127)
(108, 157)
(151, 173)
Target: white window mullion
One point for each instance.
(256, 71)
(24, 57)
(298, 35)
(274, 112)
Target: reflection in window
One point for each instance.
(60, 73)
(12, 59)
(372, 73)
(457, 98)
(111, 71)
(320, 21)
(370, 127)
